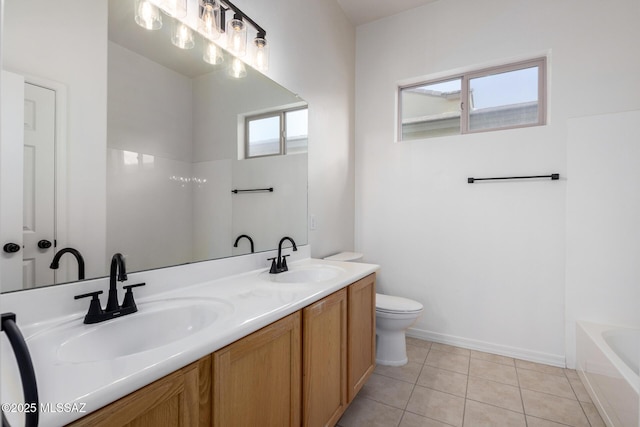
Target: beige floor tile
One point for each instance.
(450, 349)
(408, 372)
(571, 373)
(413, 420)
(368, 413)
(437, 405)
(592, 414)
(443, 380)
(547, 369)
(495, 358)
(478, 414)
(580, 390)
(545, 383)
(417, 342)
(554, 408)
(493, 371)
(387, 390)
(449, 361)
(497, 394)
(417, 354)
(539, 422)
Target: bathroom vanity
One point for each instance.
(303, 369)
(289, 349)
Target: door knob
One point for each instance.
(44, 244)
(11, 248)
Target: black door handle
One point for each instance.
(11, 248)
(44, 244)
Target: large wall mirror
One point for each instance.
(114, 140)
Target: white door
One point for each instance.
(11, 141)
(39, 186)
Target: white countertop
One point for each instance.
(247, 301)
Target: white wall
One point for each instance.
(313, 54)
(46, 45)
(486, 260)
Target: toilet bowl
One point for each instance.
(394, 315)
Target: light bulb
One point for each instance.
(237, 36)
(237, 69)
(147, 15)
(261, 61)
(182, 36)
(212, 54)
(209, 24)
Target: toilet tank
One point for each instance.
(345, 256)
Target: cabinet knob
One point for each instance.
(11, 248)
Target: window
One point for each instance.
(495, 98)
(276, 133)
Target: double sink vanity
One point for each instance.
(236, 345)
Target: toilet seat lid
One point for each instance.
(393, 304)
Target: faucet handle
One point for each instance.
(274, 267)
(95, 309)
(284, 267)
(129, 302)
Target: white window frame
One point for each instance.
(283, 130)
(465, 77)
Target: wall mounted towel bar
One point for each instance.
(553, 176)
(253, 190)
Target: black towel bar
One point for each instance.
(253, 190)
(553, 176)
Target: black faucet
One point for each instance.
(55, 264)
(114, 309)
(279, 264)
(235, 245)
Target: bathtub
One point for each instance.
(607, 361)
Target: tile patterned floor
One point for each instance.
(445, 386)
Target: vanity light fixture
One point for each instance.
(212, 54)
(182, 35)
(209, 22)
(237, 69)
(237, 36)
(261, 60)
(147, 15)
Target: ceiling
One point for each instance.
(363, 11)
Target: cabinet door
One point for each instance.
(257, 379)
(171, 401)
(361, 332)
(324, 391)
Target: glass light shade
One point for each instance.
(182, 36)
(174, 8)
(147, 15)
(261, 57)
(212, 54)
(237, 69)
(209, 22)
(237, 37)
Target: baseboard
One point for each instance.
(503, 350)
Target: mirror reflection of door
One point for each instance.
(39, 186)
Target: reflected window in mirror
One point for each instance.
(276, 133)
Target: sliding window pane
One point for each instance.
(430, 110)
(503, 100)
(263, 137)
(297, 129)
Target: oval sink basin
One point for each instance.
(307, 274)
(155, 325)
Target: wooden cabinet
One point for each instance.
(179, 399)
(324, 350)
(257, 379)
(361, 348)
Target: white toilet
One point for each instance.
(394, 315)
